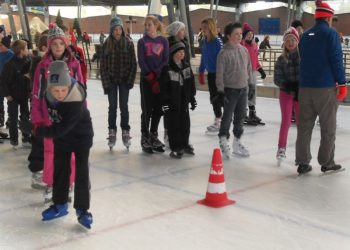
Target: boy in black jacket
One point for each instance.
(16, 88)
(177, 90)
(71, 131)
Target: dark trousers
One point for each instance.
(315, 102)
(151, 108)
(123, 106)
(36, 155)
(213, 91)
(61, 176)
(178, 124)
(2, 112)
(235, 104)
(13, 115)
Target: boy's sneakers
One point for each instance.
(55, 211)
(239, 149)
(215, 127)
(37, 180)
(47, 195)
(333, 167)
(84, 218)
(304, 168)
(281, 153)
(225, 148)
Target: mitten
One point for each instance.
(262, 73)
(155, 87)
(151, 76)
(201, 78)
(193, 104)
(342, 92)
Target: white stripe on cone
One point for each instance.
(215, 188)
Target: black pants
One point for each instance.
(213, 91)
(2, 112)
(151, 108)
(178, 123)
(61, 178)
(36, 155)
(13, 115)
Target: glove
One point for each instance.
(201, 78)
(342, 92)
(251, 91)
(151, 76)
(262, 73)
(155, 87)
(219, 99)
(166, 108)
(193, 104)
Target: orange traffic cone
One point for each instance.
(216, 192)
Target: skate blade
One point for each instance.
(240, 155)
(158, 150)
(330, 172)
(212, 133)
(55, 217)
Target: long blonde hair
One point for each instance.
(210, 22)
(286, 52)
(156, 22)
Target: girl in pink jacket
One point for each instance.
(249, 43)
(57, 50)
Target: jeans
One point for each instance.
(213, 91)
(123, 106)
(235, 104)
(287, 104)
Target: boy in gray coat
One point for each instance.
(233, 74)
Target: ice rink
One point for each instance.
(141, 201)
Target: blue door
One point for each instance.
(270, 26)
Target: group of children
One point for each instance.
(61, 127)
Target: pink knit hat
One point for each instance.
(291, 32)
(246, 28)
(56, 32)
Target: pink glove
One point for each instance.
(342, 92)
(201, 78)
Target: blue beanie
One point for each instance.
(115, 21)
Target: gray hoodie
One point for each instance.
(233, 68)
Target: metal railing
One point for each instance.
(271, 56)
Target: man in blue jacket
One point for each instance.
(322, 84)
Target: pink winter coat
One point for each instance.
(253, 53)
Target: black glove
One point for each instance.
(193, 104)
(251, 91)
(166, 108)
(262, 73)
(219, 99)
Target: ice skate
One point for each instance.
(157, 145)
(146, 145)
(37, 180)
(189, 150)
(126, 138)
(214, 128)
(3, 134)
(225, 148)
(332, 169)
(14, 144)
(239, 149)
(47, 195)
(304, 168)
(84, 218)
(253, 119)
(26, 141)
(55, 211)
(280, 156)
(111, 138)
(177, 154)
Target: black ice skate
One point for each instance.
(111, 138)
(304, 168)
(333, 168)
(254, 119)
(157, 145)
(126, 138)
(146, 145)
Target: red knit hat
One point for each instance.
(323, 10)
(291, 32)
(246, 28)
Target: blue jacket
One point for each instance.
(210, 51)
(4, 58)
(321, 57)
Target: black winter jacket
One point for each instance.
(177, 85)
(71, 127)
(15, 78)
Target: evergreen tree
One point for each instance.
(76, 26)
(59, 20)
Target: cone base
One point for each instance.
(216, 204)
